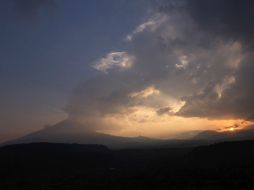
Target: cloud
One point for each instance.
(229, 93)
(177, 66)
(151, 90)
(164, 110)
(150, 25)
(230, 19)
(183, 62)
(227, 82)
(118, 60)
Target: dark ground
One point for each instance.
(46, 166)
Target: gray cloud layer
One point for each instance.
(229, 21)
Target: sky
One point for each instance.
(157, 68)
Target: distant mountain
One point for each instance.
(69, 131)
(226, 154)
(237, 135)
(209, 135)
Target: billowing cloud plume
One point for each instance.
(187, 60)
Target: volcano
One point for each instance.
(68, 131)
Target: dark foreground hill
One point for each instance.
(73, 166)
(226, 154)
(41, 156)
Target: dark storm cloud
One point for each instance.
(224, 21)
(233, 19)
(230, 19)
(236, 102)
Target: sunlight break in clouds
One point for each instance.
(145, 93)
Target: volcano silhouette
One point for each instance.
(68, 131)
